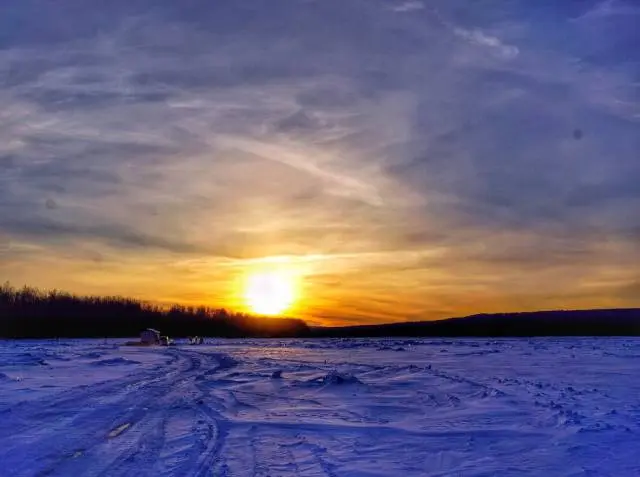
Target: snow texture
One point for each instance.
(361, 408)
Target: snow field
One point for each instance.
(512, 407)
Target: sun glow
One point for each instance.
(270, 292)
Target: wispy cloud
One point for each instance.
(608, 8)
(431, 163)
(410, 6)
(479, 38)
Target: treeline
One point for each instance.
(612, 322)
(32, 313)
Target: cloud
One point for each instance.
(477, 37)
(608, 8)
(410, 6)
(423, 159)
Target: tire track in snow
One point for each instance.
(86, 413)
(215, 436)
(109, 442)
(214, 424)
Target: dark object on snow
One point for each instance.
(150, 337)
(166, 341)
(337, 379)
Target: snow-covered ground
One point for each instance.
(552, 407)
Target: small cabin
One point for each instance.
(150, 337)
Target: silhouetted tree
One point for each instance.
(31, 313)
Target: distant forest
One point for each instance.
(31, 313)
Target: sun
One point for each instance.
(270, 292)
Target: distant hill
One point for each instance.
(611, 322)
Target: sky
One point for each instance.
(403, 160)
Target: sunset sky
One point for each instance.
(400, 160)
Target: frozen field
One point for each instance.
(552, 407)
